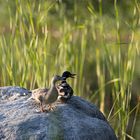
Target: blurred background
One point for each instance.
(98, 40)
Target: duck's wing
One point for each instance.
(65, 89)
(39, 92)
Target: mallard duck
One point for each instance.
(47, 96)
(64, 89)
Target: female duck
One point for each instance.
(47, 96)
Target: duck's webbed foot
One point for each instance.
(42, 108)
(51, 107)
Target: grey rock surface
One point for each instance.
(13, 91)
(75, 120)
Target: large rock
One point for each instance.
(76, 120)
(13, 91)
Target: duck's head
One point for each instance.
(56, 78)
(67, 74)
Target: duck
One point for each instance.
(47, 96)
(65, 91)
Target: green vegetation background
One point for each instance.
(99, 40)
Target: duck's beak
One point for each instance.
(73, 75)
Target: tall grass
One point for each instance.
(41, 40)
